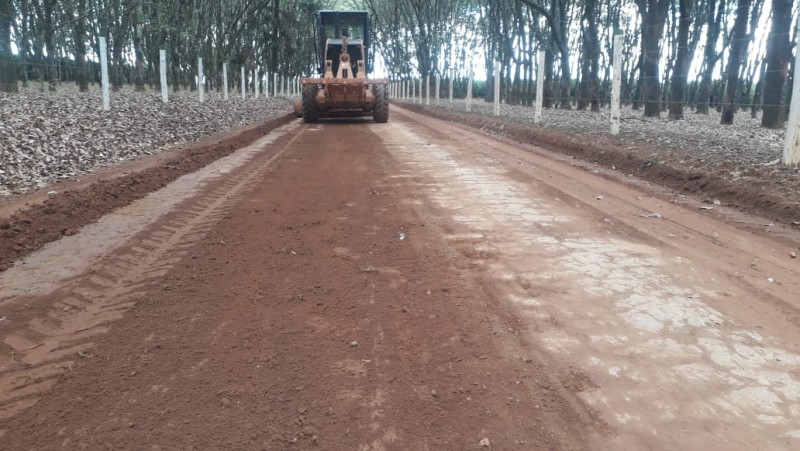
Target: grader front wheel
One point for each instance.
(310, 108)
(380, 111)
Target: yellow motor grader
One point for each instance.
(344, 90)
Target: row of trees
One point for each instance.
(704, 53)
(665, 41)
(57, 40)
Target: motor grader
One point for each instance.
(343, 39)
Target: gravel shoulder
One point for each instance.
(49, 137)
(732, 166)
(70, 171)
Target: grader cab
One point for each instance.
(344, 88)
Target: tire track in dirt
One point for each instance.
(35, 353)
(673, 319)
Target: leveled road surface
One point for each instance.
(411, 285)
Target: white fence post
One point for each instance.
(537, 116)
(450, 88)
(497, 88)
(791, 148)
(438, 87)
(616, 85)
(256, 82)
(104, 74)
(275, 84)
(244, 90)
(163, 72)
(200, 81)
(469, 89)
(427, 90)
(225, 81)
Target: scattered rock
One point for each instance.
(484, 443)
(353, 344)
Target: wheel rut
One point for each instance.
(52, 316)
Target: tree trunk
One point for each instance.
(566, 77)
(758, 96)
(738, 45)
(714, 20)
(23, 44)
(682, 62)
(176, 68)
(549, 61)
(138, 75)
(590, 61)
(8, 69)
(654, 15)
(117, 74)
(81, 77)
(779, 52)
(48, 30)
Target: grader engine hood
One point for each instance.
(354, 50)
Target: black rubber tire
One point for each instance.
(310, 109)
(380, 112)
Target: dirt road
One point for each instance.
(411, 285)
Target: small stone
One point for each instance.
(485, 443)
(793, 254)
(599, 197)
(770, 280)
(353, 344)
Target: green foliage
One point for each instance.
(273, 35)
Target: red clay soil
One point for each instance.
(759, 191)
(302, 321)
(30, 228)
